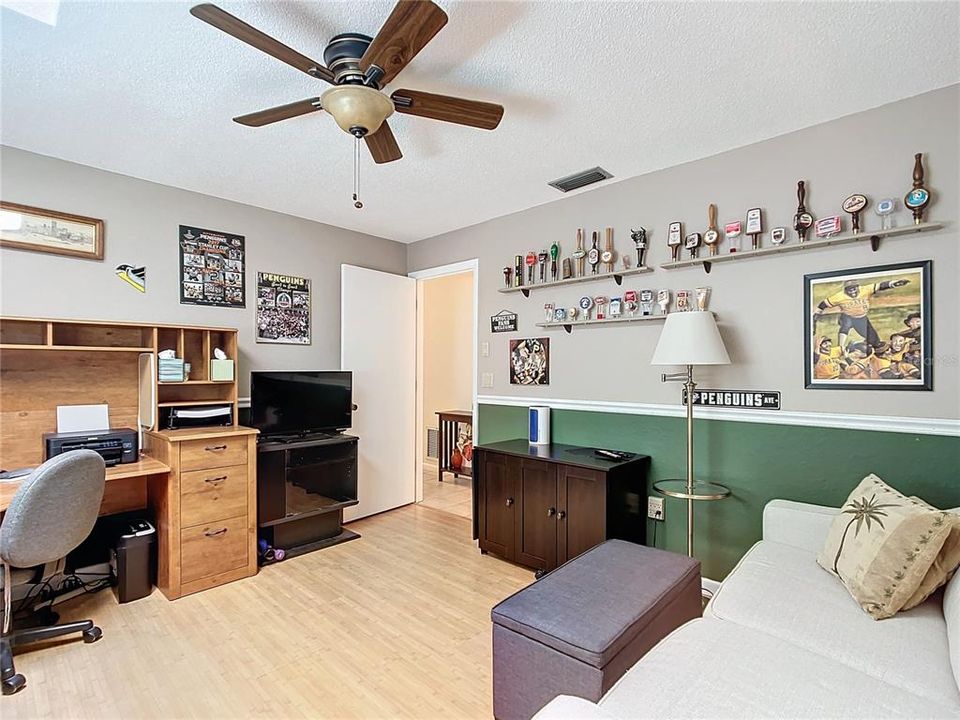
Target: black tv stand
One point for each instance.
(303, 485)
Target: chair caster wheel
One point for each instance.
(92, 635)
(14, 684)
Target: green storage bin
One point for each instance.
(221, 370)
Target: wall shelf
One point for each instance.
(568, 326)
(617, 275)
(874, 237)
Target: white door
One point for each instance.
(378, 343)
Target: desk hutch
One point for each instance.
(199, 484)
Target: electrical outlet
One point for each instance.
(655, 508)
(484, 349)
(486, 380)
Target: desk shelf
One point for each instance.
(74, 348)
(874, 237)
(617, 275)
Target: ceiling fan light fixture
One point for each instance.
(358, 110)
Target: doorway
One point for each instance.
(446, 386)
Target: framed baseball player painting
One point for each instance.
(869, 328)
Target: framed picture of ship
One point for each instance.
(50, 231)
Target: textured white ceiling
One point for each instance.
(145, 89)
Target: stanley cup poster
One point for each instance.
(211, 268)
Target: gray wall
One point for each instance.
(759, 302)
(141, 227)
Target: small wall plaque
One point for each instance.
(503, 321)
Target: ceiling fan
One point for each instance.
(358, 66)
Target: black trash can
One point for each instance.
(133, 560)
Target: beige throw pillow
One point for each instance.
(882, 544)
(944, 565)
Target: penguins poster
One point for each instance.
(211, 268)
(135, 276)
(283, 309)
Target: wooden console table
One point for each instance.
(449, 422)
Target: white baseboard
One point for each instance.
(881, 423)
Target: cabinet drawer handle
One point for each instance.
(561, 515)
(215, 448)
(551, 512)
(509, 502)
(213, 480)
(214, 533)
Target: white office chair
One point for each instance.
(51, 513)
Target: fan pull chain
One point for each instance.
(356, 174)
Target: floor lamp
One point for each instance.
(690, 338)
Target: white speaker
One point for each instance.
(539, 425)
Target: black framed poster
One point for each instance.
(283, 309)
(869, 328)
(211, 268)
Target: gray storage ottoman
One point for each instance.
(577, 630)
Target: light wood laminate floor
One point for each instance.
(395, 624)
(453, 495)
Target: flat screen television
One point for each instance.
(300, 403)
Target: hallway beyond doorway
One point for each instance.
(453, 495)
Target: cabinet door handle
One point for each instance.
(214, 533)
(561, 515)
(509, 502)
(551, 511)
(215, 448)
(213, 480)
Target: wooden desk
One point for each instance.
(449, 422)
(126, 486)
(199, 485)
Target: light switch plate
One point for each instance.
(484, 349)
(486, 380)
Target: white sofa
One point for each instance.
(782, 638)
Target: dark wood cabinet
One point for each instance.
(536, 514)
(540, 506)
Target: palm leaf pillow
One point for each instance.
(882, 545)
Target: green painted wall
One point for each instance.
(758, 462)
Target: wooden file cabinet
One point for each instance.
(206, 510)
(542, 506)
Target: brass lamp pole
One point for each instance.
(690, 338)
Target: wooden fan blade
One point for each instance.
(281, 112)
(411, 25)
(222, 20)
(383, 145)
(448, 109)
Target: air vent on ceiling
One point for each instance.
(580, 179)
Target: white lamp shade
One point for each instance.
(690, 338)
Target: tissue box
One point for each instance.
(221, 369)
(170, 370)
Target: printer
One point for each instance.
(115, 446)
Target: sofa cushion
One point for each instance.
(598, 603)
(780, 590)
(882, 545)
(714, 669)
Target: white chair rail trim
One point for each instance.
(880, 423)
